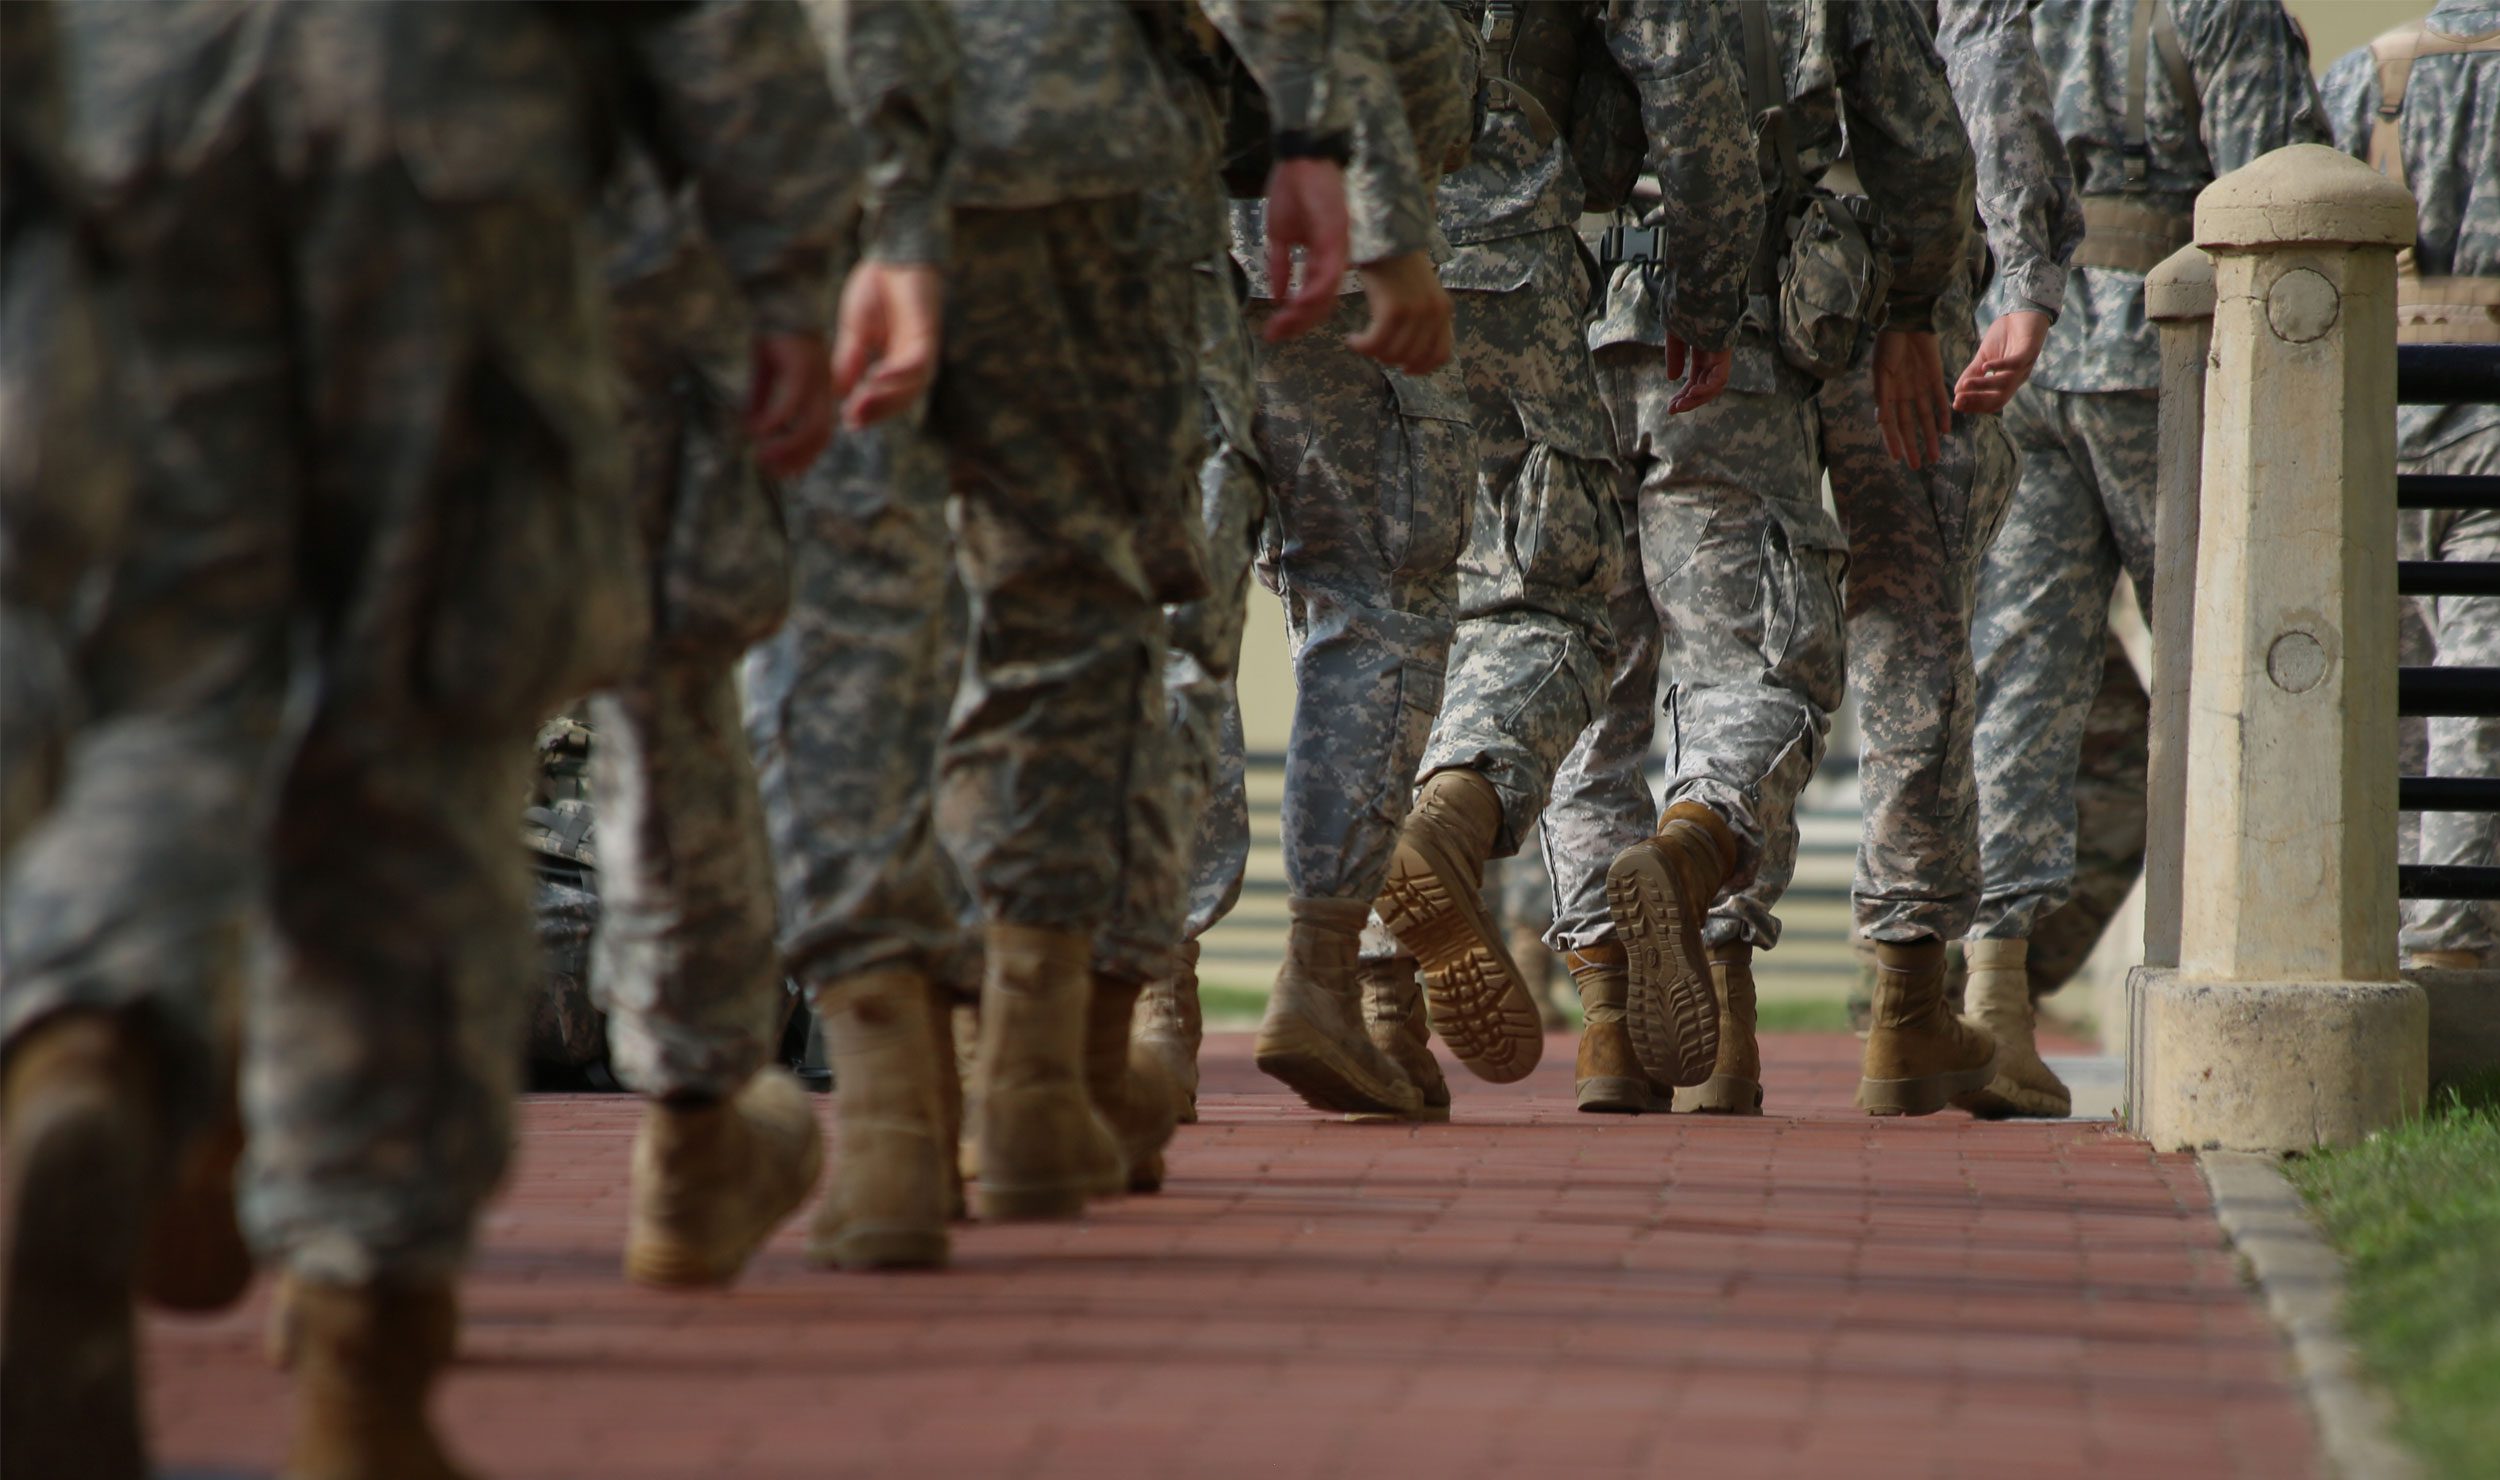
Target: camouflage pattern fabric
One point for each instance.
(566, 1027)
(846, 704)
(1053, 315)
(684, 962)
(2250, 65)
(897, 63)
(2450, 135)
(2082, 515)
(2084, 426)
(2109, 825)
(2464, 631)
(64, 480)
(1736, 591)
(442, 151)
(2027, 196)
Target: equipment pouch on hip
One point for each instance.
(1832, 283)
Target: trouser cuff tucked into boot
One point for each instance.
(1607, 1079)
(1660, 891)
(1735, 1083)
(886, 1204)
(712, 1181)
(1999, 999)
(1312, 1038)
(1433, 902)
(1395, 1020)
(1919, 1057)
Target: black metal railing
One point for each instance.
(2448, 375)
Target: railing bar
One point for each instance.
(2449, 692)
(2448, 577)
(2447, 374)
(2447, 491)
(2447, 881)
(2447, 794)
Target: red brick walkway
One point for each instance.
(1525, 1292)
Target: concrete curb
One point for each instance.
(2302, 1281)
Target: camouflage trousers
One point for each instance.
(1370, 499)
(684, 962)
(2458, 631)
(1916, 541)
(2082, 514)
(846, 706)
(1735, 595)
(1188, 812)
(432, 566)
(1544, 546)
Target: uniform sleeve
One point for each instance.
(1389, 209)
(2251, 65)
(2027, 196)
(745, 105)
(1692, 107)
(1912, 155)
(2349, 95)
(894, 63)
(1287, 46)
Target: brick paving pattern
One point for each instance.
(1525, 1292)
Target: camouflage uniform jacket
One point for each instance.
(894, 64)
(1517, 200)
(2250, 65)
(1074, 102)
(1407, 72)
(743, 139)
(1912, 157)
(2451, 141)
(2027, 198)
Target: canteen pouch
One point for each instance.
(1832, 283)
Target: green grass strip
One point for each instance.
(2416, 1214)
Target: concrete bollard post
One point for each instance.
(2284, 1026)
(2179, 298)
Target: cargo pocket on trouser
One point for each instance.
(1565, 535)
(1804, 565)
(1970, 530)
(1429, 482)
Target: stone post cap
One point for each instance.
(2182, 287)
(2304, 193)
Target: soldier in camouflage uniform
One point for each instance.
(1740, 600)
(389, 205)
(1571, 97)
(1059, 303)
(2422, 103)
(2154, 99)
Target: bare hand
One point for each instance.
(885, 348)
(790, 405)
(1306, 209)
(1703, 371)
(1410, 315)
(2007, 352)
(1910, 399)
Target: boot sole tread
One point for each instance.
(1671, 1011)
(1317, 1071)
(1923, 1095)
(1480, 1002)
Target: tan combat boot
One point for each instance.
(2444, 960)
(1999, 993)
(1735, 1083)
(1660, 891)
(1394, 1019)
(1041, 1148)
(884, 1207)
(1312, 1037)
(1919, 1056)
(1171, 1027)
(1433, 902)
(1607, 1079)
(81, 1128)
(365, 1358)
(712, 1181)
(1129, 1087)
